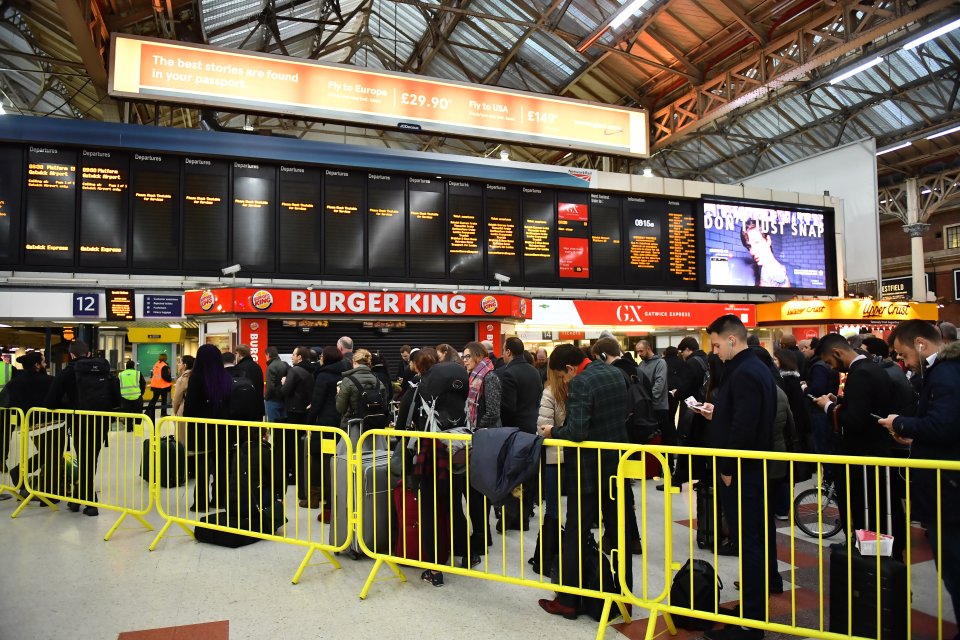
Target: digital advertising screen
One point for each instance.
(755, 246)
(155, 211)
(573, 236)
(104, 187)
(301, 200)
(427, 246)
(255, 216)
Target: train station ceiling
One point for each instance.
(733, 87)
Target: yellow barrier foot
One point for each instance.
(330, 557)
(604, 618)
(303, 565)
(672, 628)
(396, 570)
(143, 521)
(23, 505)
(163, 531)
(187, 530)
(116, 525)
(624, 612)
(370, 578)
(651, 625)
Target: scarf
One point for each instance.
(479, 372)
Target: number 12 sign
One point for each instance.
(86, 304)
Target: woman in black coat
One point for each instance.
(208, 397)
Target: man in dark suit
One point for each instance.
(520, 402)
(867, 390)
(743, 414)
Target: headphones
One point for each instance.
(920, 347)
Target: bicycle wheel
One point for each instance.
(816, 517)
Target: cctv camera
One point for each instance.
(499, 277)
(229, 271)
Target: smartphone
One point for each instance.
(812, 397)
(873, 415)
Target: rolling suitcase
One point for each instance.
(862, 614)
(173, 462)
(375, 486)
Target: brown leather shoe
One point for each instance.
(554, 607)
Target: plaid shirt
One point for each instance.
(596, 406)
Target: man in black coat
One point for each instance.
(247, 367)
(743, 414)
(25, 391)
(520, 402)
(934, 434)
(867, 390)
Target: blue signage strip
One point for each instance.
(86, 304)
(162, 306)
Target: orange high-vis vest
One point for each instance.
(157, 381)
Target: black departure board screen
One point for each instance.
(104, 199)
(205, 212)
(255, 216)
(428, 222)
(155, 187)
(51, 206)
(661, 243)
(502, 226)
(539, 235)
(465, 205)
(573, 236)
(11, 170)
(343, 235)
(301, 200)
(386, 224)
(605, 247)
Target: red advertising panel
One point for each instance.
(489, 331)
(619, 312)
(358, 303)
(573, 240)
(253, 333)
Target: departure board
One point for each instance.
(661, 243)
(606, 259)
(205, 212)
(301, 200)
(573, 235)
(104, 198)
(386, 224)
(155, 211)
(51, 206)
(502, 227)
(11, 169)
(682, 231)
(343, 228)
(465, 206)
(255, 216)
(539, 235)
(428, 222)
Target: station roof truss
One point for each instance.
(733, 87)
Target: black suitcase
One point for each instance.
(173, 462)
(862, 617)
(264, 521)
(706, 526)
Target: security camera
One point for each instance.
(499, 277)
(231, 270)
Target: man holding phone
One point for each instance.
(867, 390)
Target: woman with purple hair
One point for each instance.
(208, 396)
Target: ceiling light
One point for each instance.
(944, 132)
(504, 155)
(108, 326)
(852, 72)
(626, 12)
(174, 325)
(3, 111)
(648, 173)
(902, 145)
(936, 33)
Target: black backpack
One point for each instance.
(704, 596)
(97, 390)
(371, 408)
(641, 422)
(245, 402)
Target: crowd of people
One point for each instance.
(899, 399)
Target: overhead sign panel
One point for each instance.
(152, 69)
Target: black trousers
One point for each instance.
(88, 434)
(158, 394)
(469, 534)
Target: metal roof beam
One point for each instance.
(744, 20)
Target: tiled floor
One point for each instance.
(59, 579)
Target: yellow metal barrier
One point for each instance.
(11, 461)
(433, 516)
(860, 488)
(263, 480)
(88, 459)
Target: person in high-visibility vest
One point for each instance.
(160, 383)
(132, 386)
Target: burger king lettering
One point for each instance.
(375, 302)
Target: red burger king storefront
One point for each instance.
(375, 320)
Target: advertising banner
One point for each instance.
(151, 69)
(845, 310)
(253, 333)
(613, 313)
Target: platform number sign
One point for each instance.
(86, 304)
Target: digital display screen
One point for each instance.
(301, 201)
(428, 222)
(660, 243)
(120, 305)
(465, 202)
(51, 206)
(573, 236)
(205, 212)
(254, 216)
(104, 193)
(539, 235)
(502, 226)
(343, 209)
(386, 225)
(11, 170)
(155, 185)
(606, 250)
(764, 247)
